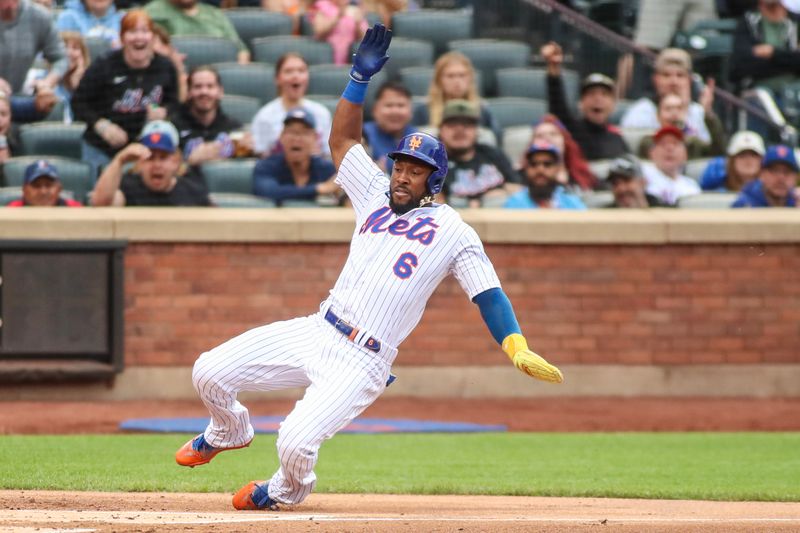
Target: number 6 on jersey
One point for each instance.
(405, 264)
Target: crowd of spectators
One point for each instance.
(151, 126)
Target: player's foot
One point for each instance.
(198, 452)
(253, 497)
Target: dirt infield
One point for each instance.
(150, 512)
(545, 414)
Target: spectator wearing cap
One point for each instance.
(592, 131)
(476, 172)
(741, 166)
(155, 178)
(776, 185)
(672, 111)
(542, 162)
(41, 187)
(628, 185)
(663, 174)
(392, 112)
(673, 74)
(205, 130)
(296, 173)
(765, 48)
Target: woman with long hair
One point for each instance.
(291, 80)
(454, 79)
(575, 170)
(741, 166)
(123, 90)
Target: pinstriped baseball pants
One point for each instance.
(341, 379)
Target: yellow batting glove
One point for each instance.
(516, 347)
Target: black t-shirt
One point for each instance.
(488, 169)
(192, 133)
(190, 190)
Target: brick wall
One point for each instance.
(616, 304)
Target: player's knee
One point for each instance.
(203, 379)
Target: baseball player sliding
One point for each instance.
(403, 246)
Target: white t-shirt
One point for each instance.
(643, 114)
(667, 189)
(396, 262)
(267, 125)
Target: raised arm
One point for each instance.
(349, 116)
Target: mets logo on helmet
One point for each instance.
(415, 142)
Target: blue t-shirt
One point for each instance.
(272, 178)
(752, 195)
(561, 200)
(381, 143)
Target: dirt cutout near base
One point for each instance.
(158, 512)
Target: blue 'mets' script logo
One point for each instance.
(423, 230)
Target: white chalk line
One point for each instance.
(189, 518)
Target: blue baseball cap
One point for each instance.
(40, 168)
(300, 114)
(546, 147)
(780, 153)
(158, 140)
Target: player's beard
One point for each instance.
(412, 203)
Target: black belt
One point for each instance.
(351, 331)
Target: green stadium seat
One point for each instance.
(435, 26)
(242, 108)
(489, 55)
(9, 194)
(253, 23)
(270, 49)
(56, 114)
(708, 200)
(510, 111)
(48, 138)
(255, 80)
(233, 199)
(597, 199)
(515, 142)
(204, 50)
(327, 79)
(330, 101)
(532, 83)
(97, 46)
(695, 167)
(229, 175)
(619, 110)
(76, 177)
(408, 53)
(417, 79)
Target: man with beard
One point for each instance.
(476, 172)
(776, 185)
(628, 185)
(190, 17)
(403, 245)
(205, 130)
(155, 178)
(541, 174)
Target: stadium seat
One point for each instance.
(708, 200)
(330, 101)
(76, 176)
(408, 53)
(596, 199)
(299, 203)
(233, 199)
(515, 142)
(256, 80)
(619, 111)
(242, 108)
(229, 175)
(47, 138)
(509, 111)
(600, 167)
(270, 49)
(489, 55)
(252, 23)
(532, 83)
(97, 46)
(56, 114)
(485, 135)
(9, 194)
(633, 137)
(417, 79)
(435, 26)
(328, 79)
(204, 50)
(695, 167)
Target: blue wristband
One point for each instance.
(355, 92)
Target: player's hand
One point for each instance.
(371, 53)
(516, 347)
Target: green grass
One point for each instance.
(716, 466)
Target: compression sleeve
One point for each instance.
(498, 314)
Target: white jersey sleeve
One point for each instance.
(361, 178)
(472, 267)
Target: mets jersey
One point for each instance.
(396, 262)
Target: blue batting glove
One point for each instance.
(371, 54)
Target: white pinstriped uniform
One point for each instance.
(395, 264)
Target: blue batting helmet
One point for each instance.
(430, 151)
